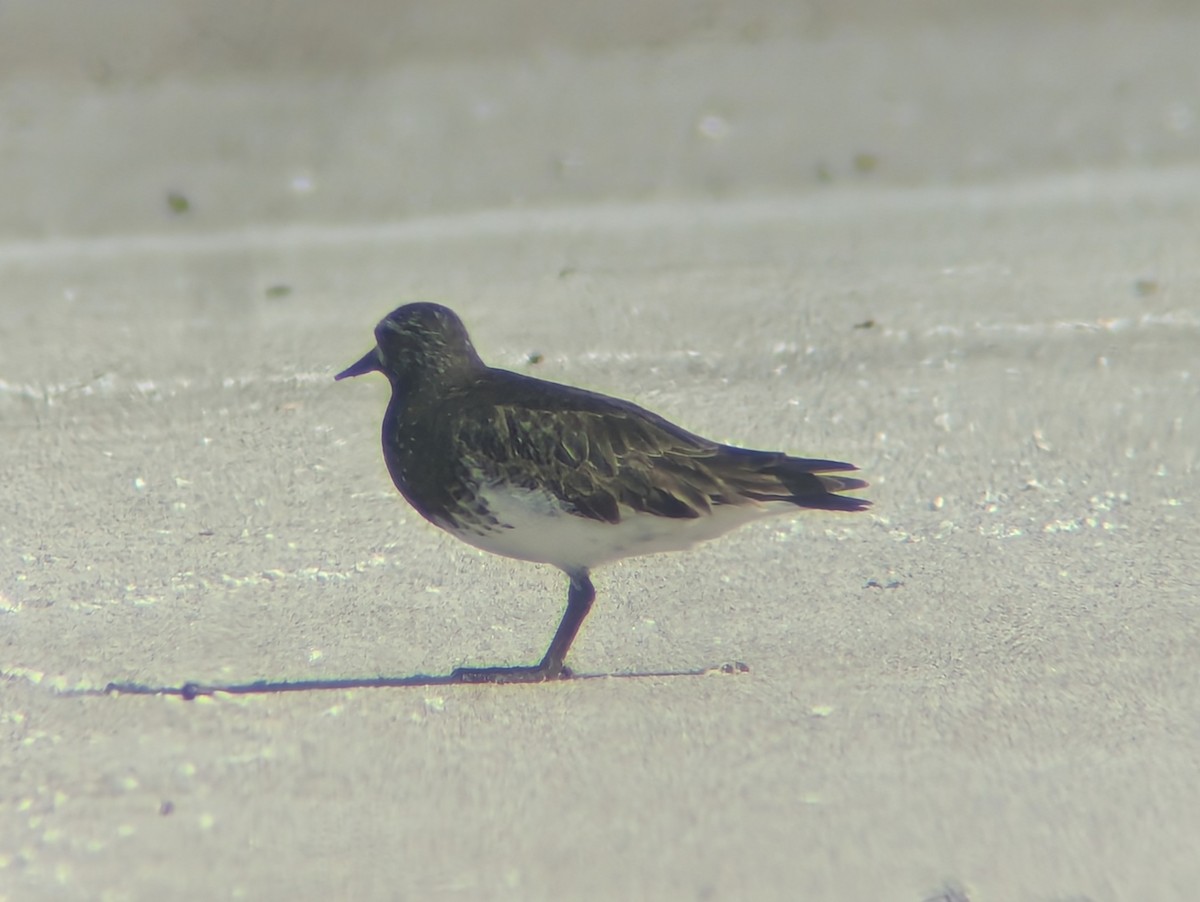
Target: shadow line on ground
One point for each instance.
(189, 691)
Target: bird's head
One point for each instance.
(419, 343)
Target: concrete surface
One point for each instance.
(954, 244)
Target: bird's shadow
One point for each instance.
(190, 691)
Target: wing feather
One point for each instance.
(603, 454)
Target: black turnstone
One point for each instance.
(545, 472)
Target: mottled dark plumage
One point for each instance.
(546, 472)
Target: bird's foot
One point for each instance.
(730, 667)
(538, 673)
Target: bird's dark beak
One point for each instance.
(368, 364)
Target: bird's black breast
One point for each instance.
(420, 453)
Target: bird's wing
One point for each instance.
(598, 454)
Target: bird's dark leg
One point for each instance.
(579, 602)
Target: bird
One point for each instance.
(549, 473)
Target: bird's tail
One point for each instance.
(829, 499)
(805, 483)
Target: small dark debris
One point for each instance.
(178, 203)
(865, 163)
(890, 584)
(535, 357)
(865, 324)
(167, 808)
(1145, 287)
(951, 892)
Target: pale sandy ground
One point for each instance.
(985, 689)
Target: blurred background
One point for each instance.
(145, 117)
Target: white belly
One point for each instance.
(534, 526)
